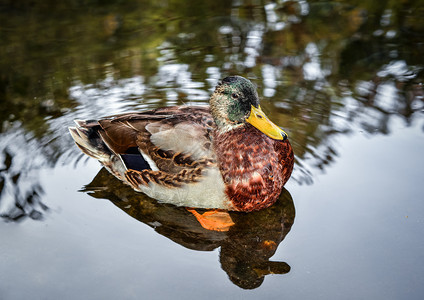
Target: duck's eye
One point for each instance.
(235, 96)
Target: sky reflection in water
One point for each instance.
(343, 78)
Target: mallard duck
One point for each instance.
(227, 156)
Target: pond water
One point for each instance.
(343, 78)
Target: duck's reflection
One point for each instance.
(245, 248)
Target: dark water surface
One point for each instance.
(345, 80)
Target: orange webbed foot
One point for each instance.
(216, 220)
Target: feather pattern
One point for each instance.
(191, 155)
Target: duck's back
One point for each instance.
(166, 153)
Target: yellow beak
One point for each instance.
(259, 120)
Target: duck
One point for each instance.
(227, 156)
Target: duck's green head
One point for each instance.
(235, 102)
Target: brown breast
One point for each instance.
(254, 167)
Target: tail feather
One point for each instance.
(86, 123)
(87, 137)
(89, 141)
(80, 123)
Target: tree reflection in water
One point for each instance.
(323, 69)
(245, 249)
